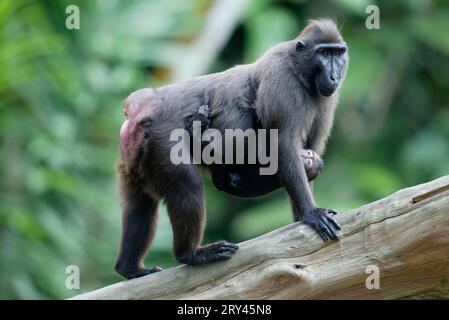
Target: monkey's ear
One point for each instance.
(300, 45)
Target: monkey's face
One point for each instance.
(313, 164)
(330, 60)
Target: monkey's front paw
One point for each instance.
(326, 226)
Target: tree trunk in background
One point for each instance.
(406, 236)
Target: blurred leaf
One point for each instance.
(260, 219)
(376, 181)
(268, 28)
(432, 30)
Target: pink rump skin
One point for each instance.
(131, 132)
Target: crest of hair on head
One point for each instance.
(323, 30)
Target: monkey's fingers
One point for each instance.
(323, 235)
(327, 228)
(315, 221)
(334, 222)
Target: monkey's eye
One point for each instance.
(325, 52)
(338, 52)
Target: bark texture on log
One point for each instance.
(406, 235)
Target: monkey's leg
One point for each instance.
(293, 178)
(186, 210)
(139, 219)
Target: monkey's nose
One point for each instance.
(334, 80)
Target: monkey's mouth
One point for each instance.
(327, 91)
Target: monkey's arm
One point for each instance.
(293, 177)
(320, 132)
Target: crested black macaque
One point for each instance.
(293, 88)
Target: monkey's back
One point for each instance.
(224, 92)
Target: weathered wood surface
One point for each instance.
(406, 235)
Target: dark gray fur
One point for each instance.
(280, 87)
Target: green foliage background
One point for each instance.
(61, 94)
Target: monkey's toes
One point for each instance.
(222, 250)
(155, 269)
(212, 252)
(223, 245)
(143, 272)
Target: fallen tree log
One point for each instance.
(405, 236)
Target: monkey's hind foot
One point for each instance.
(139, 273)
(326, 226)
(215, 251)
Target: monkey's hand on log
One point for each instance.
(320, 220)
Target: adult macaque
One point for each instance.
(292, 88)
